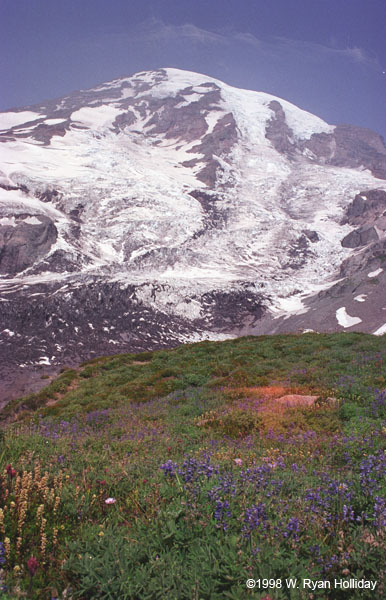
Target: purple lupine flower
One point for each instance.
(2, 554)
(255, 519)
(379, 512)
(222, 513)
(348, 513)
(169, 468)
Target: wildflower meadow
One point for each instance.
(237, 469)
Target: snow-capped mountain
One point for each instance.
(169, 206)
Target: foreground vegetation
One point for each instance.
(179, 475)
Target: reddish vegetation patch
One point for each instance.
(274, 408)
(276, 399)
(296, 400)
(269, 391)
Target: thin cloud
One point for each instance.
(361, 56)
(281, 46)
(277, 46)
(163, 37)
(157, 29)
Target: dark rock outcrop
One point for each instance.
(349, 146)
(278, 132)
(360, 237)
(366, 206)
(311, 235)
(218, 143)
(213, 216)
(359, 147)
(23, 241)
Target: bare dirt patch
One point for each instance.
(59, 395)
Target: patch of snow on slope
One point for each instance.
(126, 93)
(251, 107)
(251, 112)
(345, 320)
(108, 252)
(11, 119)
(381, 330)
(54, 121)
(206, 335)
(111, 84)
(178, 80)
(32, 221)
(292, 305)
(375, 273)
(212, 118)
(8, 222)
(44, 360)
(361, 298)
(303, 123)
(16, 199)
(189, 98)
(96, 117)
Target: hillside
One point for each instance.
(184, 473)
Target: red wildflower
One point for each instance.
(32, 565)
(10, 471)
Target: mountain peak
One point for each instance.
(196, 207)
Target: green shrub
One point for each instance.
(194, 379)
(349, 410)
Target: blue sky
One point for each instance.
(326, 56)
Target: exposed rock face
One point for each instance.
(360, 237)
(278, 132)
(366, 207)
(311, 235)
(24, 239)
(349, 146)
(358, 147)
(168, 206)
(346, 146)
